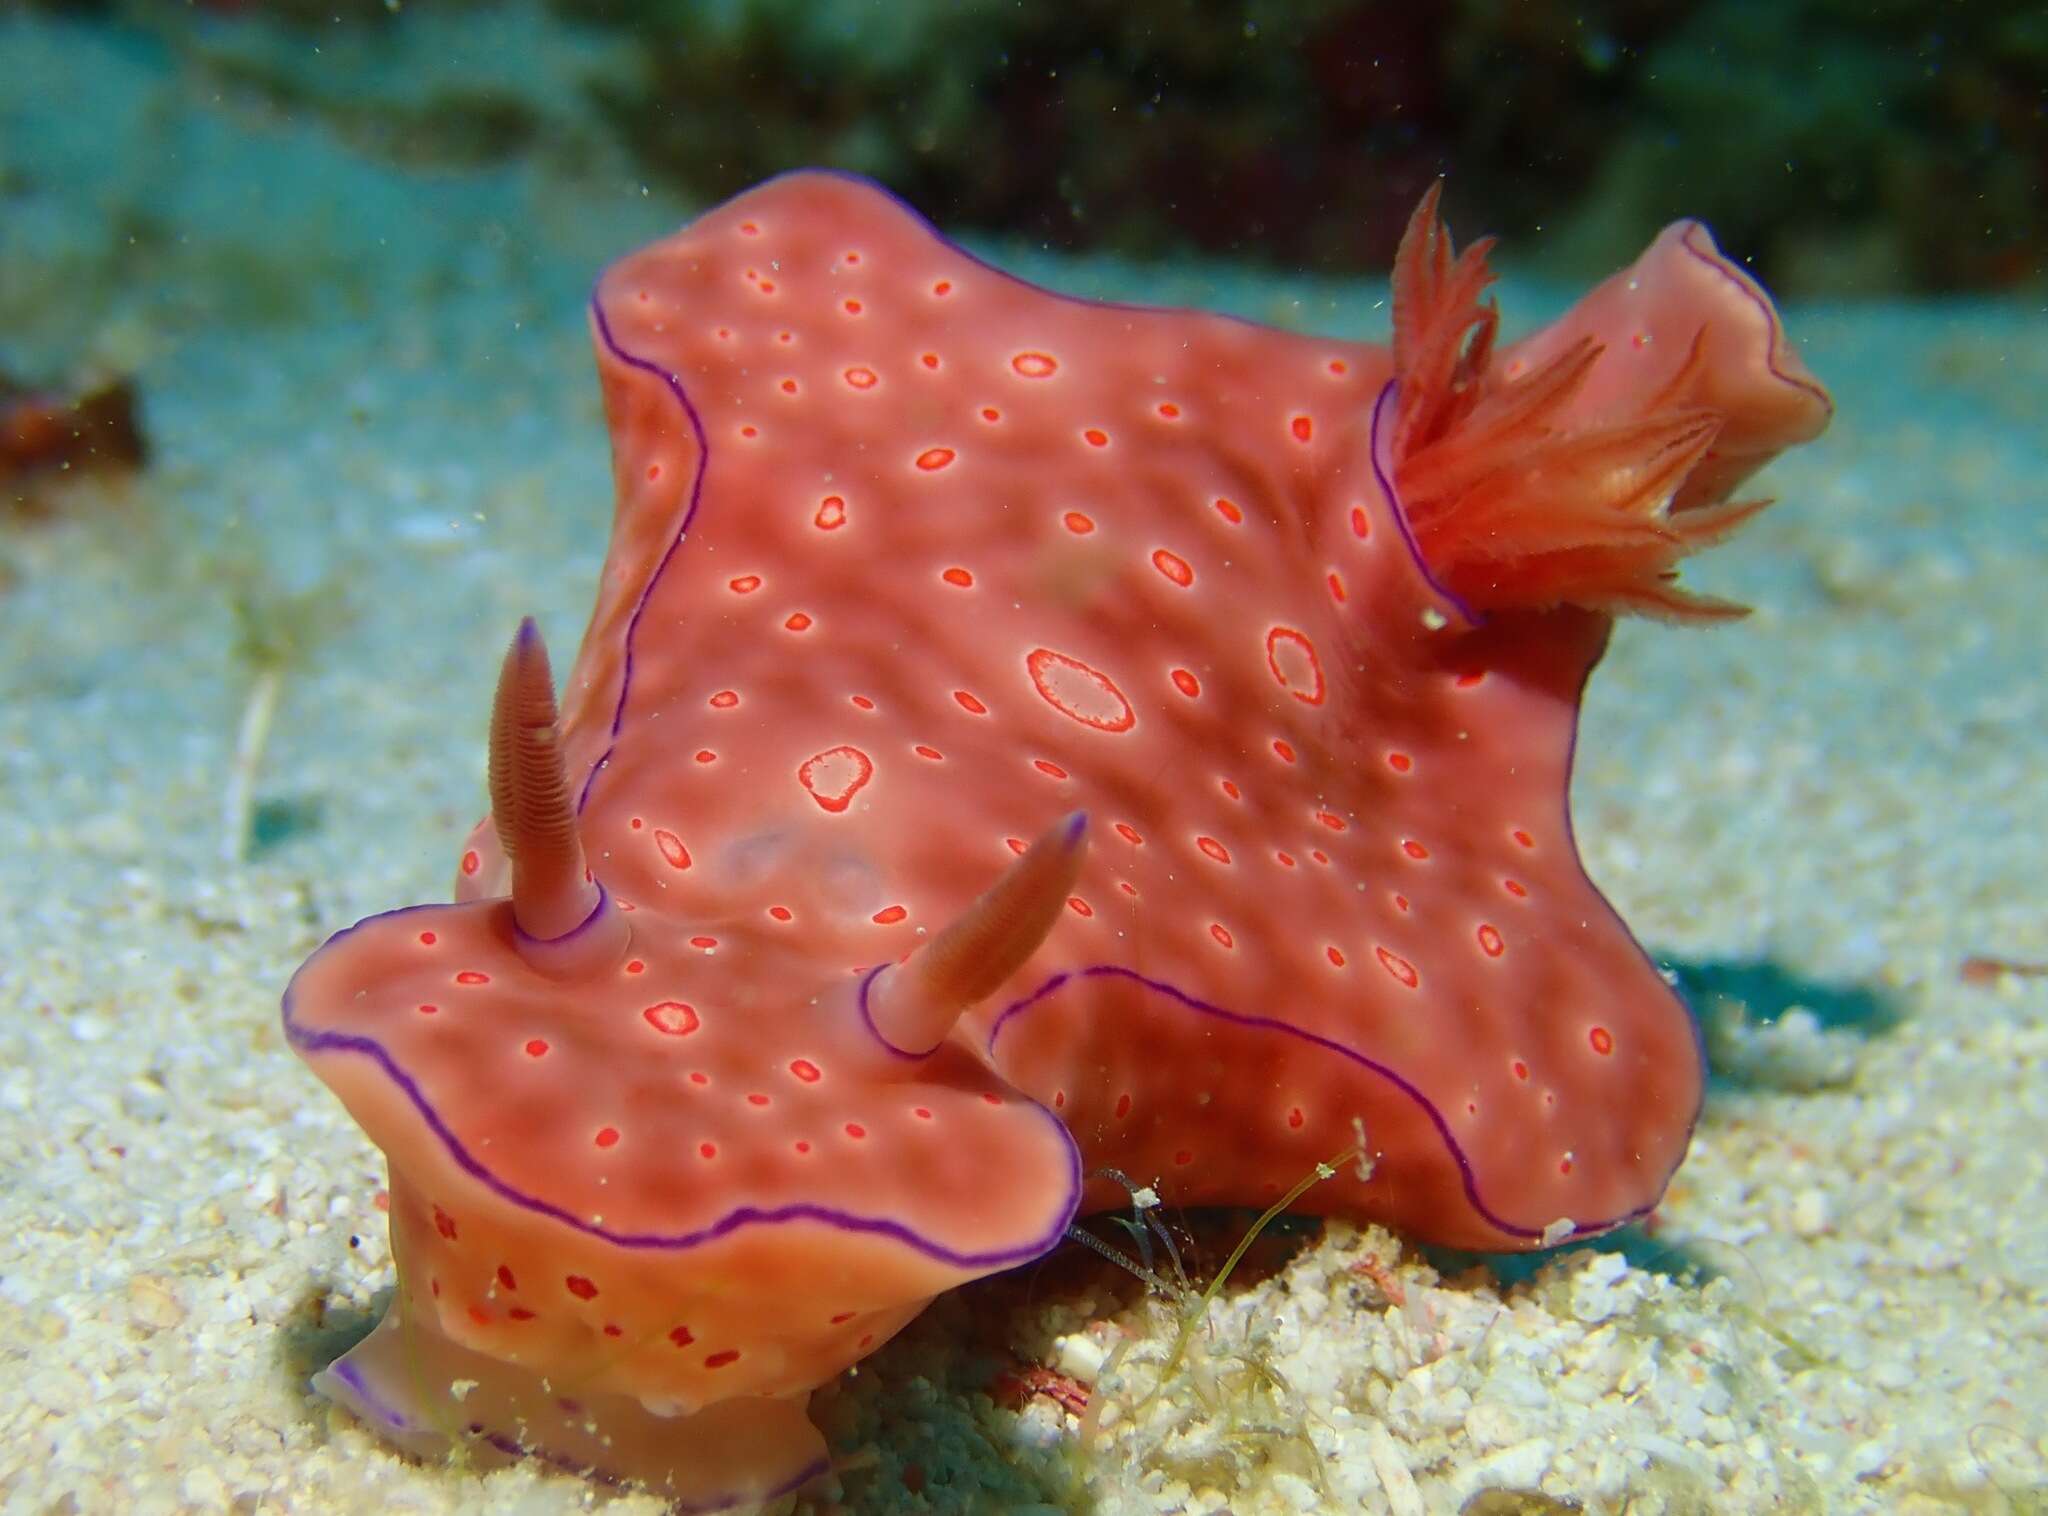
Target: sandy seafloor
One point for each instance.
(375, 378)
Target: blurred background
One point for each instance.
(1841, 146)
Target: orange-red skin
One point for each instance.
(909, 559)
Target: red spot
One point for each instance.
(1169, 410)
(444, 1224)
(1401, 902)
(1173, 566)
(1286, 860)
(1075, 690)
(990, 1097)
(831, 513)
(1413, 848)
(1046, 766)
(724, 700)
(580, 1287)
(1229, 788)
(705, 755)
(1129, 834)
(520, 1313)
(990, 414)
(1293, 661)
(505, 1278)
(798, 622)
(1014, 844)
(471, 862)
(536, 1047)
(1490, 942)
(707, 1150)
(1213, 848)
(932, 753)
(1285, 750)
(428, 939)
(479, 1315)
(672, 1018)
(922, 1113)
(1516, 888)
(835, 776)
(1335, 956)
(1095, 437)
(1079, 906)
(1400, 763)
(1228, 511)
(803, 1147)
(1059, 1099)
(636, 966)
(1564, 1164)
(607, 1137)
(1331, 820)
(1602, 1040)
(889, 915)
(861, 378)
(1183, 1157)
(1319, 855)
(1222, 934)
(720, 1359)
(958, 576)
(429, 1010)
(1399, 967)
(1521, 1069)
(682, 1337)
(969, 704)
(943, 287)
(1336, 583)
(1523, 838)
(1078, 524)
(852, 307)
(779, 912)
(935, 458)
(749, 229)
(929, 360)
(613, 1329)
(1186, 683)
(1295, 1118)
(672, 848)
(788, 386)
(754, 1100)
(853, 257)
(855, 1130)
(805, 1070)
(1470, 679)
(1339, 366)
(1034, 365)
(842, 1318)
(1123, 1106)
(1302, 427)
(750, 431)
(471, 976)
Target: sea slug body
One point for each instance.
(1018, 735)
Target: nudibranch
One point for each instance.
(1017, 736)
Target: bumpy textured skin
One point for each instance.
(911, 558)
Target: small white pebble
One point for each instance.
(1079, 1355)
(1812, 1213)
